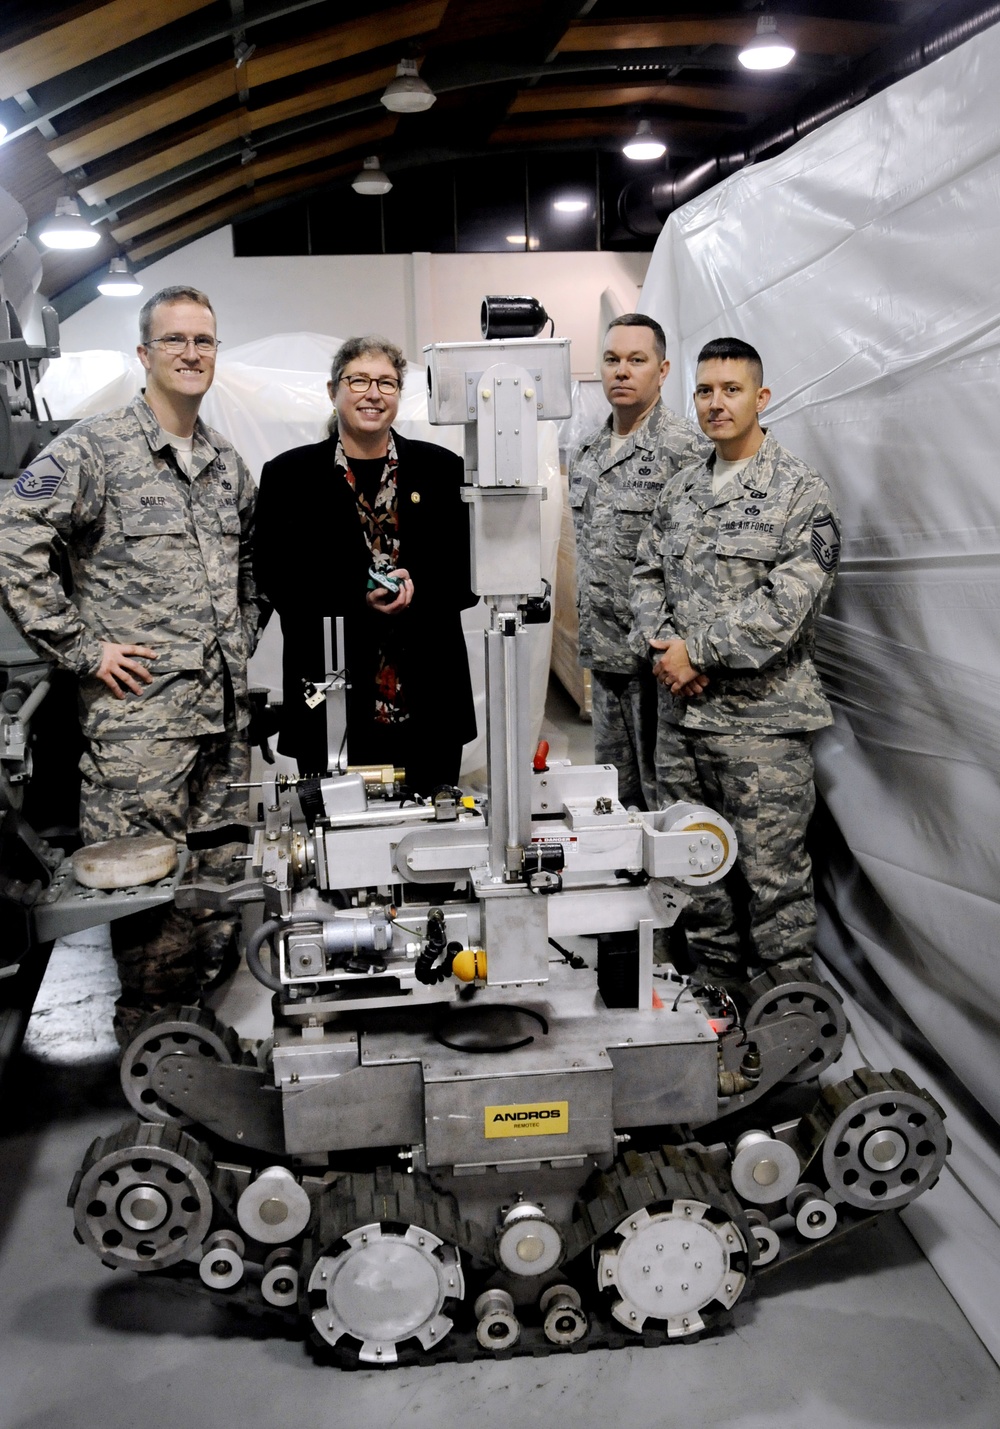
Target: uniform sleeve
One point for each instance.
(651, 620)
(50, 507)
(762, 627)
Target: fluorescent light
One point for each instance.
(570, 205)
(644, 143)
(68, 229)
(3, 132)
(523, 240)
(408, 93)
(767, 49)
(371, 179)
(120, 281)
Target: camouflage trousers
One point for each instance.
(172, 787)
(763, 784)
(624, 714)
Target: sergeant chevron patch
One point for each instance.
(42, 478)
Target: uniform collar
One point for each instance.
(755, 476)
(644, 439)
(204, 451)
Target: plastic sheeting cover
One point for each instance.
(862, 264)
(270, 395)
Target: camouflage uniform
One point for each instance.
(741, 577)
(612, 498)
(162, 559)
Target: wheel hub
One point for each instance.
(674, 1264)
(383, 1287)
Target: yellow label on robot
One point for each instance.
(527, 1119)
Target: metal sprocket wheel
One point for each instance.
(382, 1267)
(783, 991)
(886, 1142)
(141, 1199)
(189, 1030)
(680, 1265)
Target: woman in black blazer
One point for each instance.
(369, 498)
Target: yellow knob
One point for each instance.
(469, 965)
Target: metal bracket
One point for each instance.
(219, 896)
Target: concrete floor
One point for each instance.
(860, 1334)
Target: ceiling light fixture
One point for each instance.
(767, 49)
(120, 281)
(570, 205)
(3, 132)
(242, 52)
(68, 228)
(408, 93)
(644, 143)
(371, 179)
(522, 240)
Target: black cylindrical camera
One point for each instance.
(512, 317)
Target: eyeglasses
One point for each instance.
(359, 383)
(175, 344)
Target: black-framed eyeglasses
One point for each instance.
(358, 383)
(175, 344)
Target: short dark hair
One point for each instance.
(734, 349)
(643, 320)
(165, 297)
(359, 347)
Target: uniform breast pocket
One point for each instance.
(749, 546)
(152, 532)
(629, 526)
(229, 520)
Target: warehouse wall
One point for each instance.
(414, 298)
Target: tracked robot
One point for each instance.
(464, 1139)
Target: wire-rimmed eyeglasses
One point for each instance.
(175, 344)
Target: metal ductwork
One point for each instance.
(645, 204)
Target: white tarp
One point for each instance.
(862, 263)
(271, 395)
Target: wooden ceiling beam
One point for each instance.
(180, 101)
(195, 196)
(810, 34)
(195, 143)
(90, 32)
(145, 117)
(740, 99)
(343, 42)
(241, 124)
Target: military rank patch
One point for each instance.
(42, 478)
(826, 542)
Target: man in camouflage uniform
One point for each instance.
(614, 481)
(731, 574)
(154, 512)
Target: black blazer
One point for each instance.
(311, 560)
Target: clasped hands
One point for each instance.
(385, 602)
(675, 670)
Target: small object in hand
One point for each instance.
(380, 578)
(123, 862)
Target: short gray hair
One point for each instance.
(361, 347)
(164, 298)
